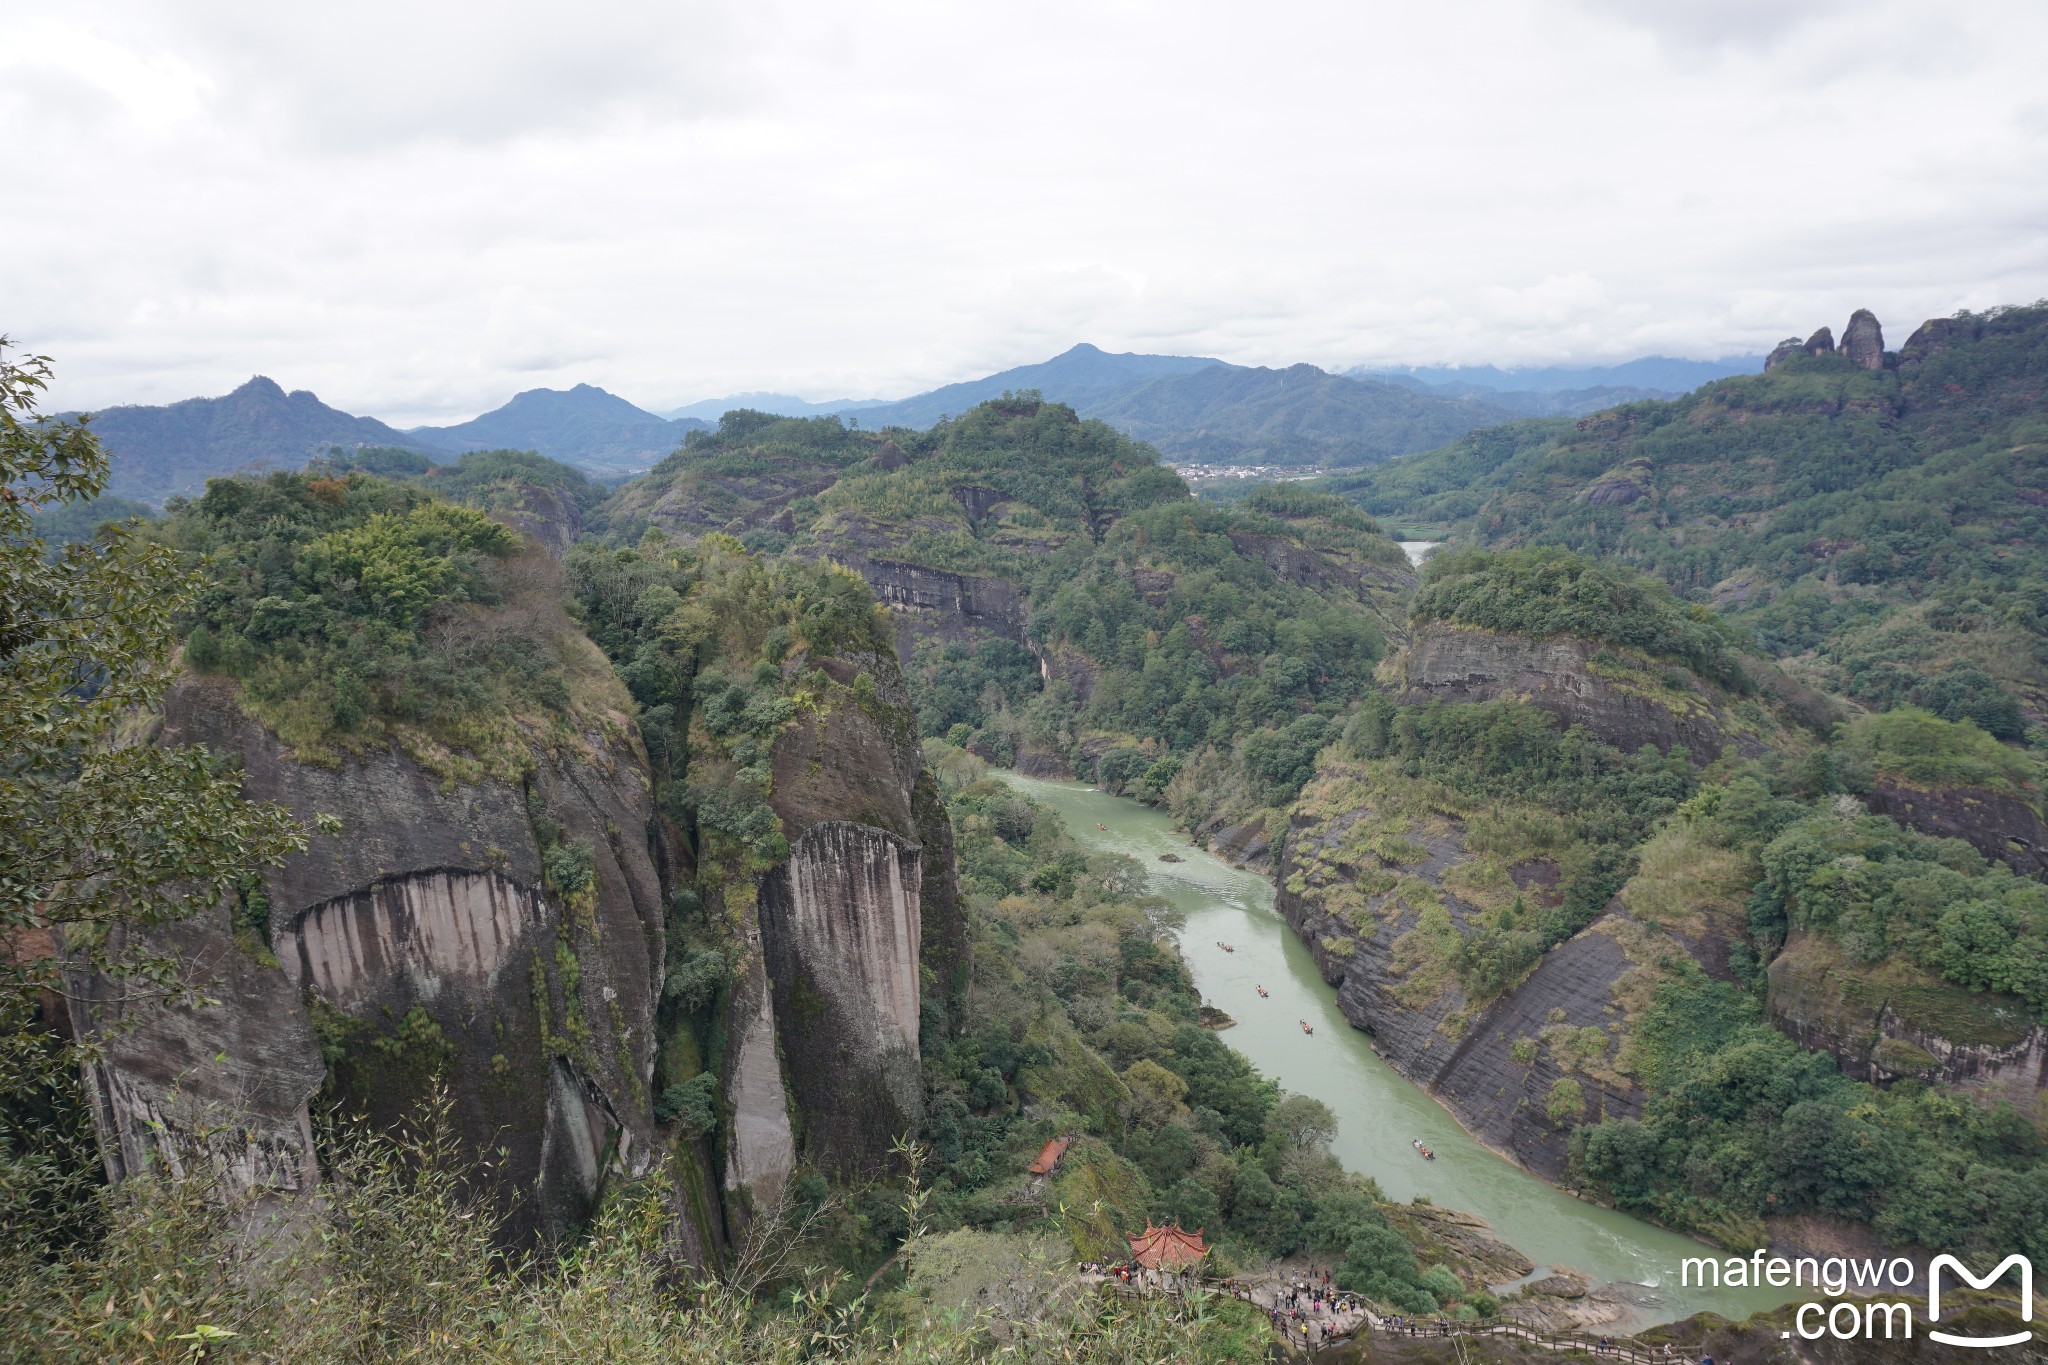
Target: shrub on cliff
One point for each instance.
(1926, 751)
(353, 610)
(1884, 892)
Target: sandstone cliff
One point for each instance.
(1893, 1021)
(1996, 824)
(505, 939)
(419, 945)
(1377, 925)
(1624, 699)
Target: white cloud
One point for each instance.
(417, 209)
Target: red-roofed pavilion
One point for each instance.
(1168, 1248)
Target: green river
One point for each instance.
(1378, 1111)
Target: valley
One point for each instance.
(757, 865)
(1378, 1111)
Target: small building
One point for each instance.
(1049, 1156)
(1168, 1249)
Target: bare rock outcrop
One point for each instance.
(1460, 663)
(842, 934)
(841, 924)
(1475, 1057)
(1996, 824)
(937, 603)
(1863, 341)
(418, 946)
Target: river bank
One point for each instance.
(1380, 1113)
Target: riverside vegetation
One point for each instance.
(1704, 712)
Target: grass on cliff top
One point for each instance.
(355, 612)
(1924, 750)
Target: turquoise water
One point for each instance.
(1378, 1111)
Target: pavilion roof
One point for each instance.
(1049, 1156)
(1167, 1248)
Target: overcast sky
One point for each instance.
(416, 209)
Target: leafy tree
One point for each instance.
(99, 834)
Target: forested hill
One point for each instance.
(1882, 520)
(1065, 598)
(1297, 416)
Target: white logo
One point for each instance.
(2026, 1298)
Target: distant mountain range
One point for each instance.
(1565, 390)
(1083, 378)
(159, 451)
(781, 404)
(1195, 409)
(1651, 372)
(584, 426)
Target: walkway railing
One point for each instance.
(1564, 1343)
(1617, 1348)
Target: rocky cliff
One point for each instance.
(421, 944)
(1996, 824)
(1623, 698)
(505, 940)
(1892, 1021)
(1376, 923)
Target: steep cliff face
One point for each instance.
(850, 939)
(421, 944)
(1891, 1022)
(939, 605)
(1994, 823)
(841, 926)
(1623, 699)
(1377, 928)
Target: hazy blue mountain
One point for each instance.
(584, 426)
(1656, 372)
(781, 404)
(1228, 414)
(1534, 403)
(1082, 378)
(175, 448)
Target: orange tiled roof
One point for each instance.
(1168, 1248)
(1049, 1156)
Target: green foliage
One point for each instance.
(352, 609)
(691, 1105)
(1078, 989)
(1884, 892)
(1544, 591)
(1891, 521)
(1742, 1124)
(1379, 1263)
(1227, 645)
(1928, 751)
(1508, 756)
(99, 835)
(1219, 644)
(64, 523)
